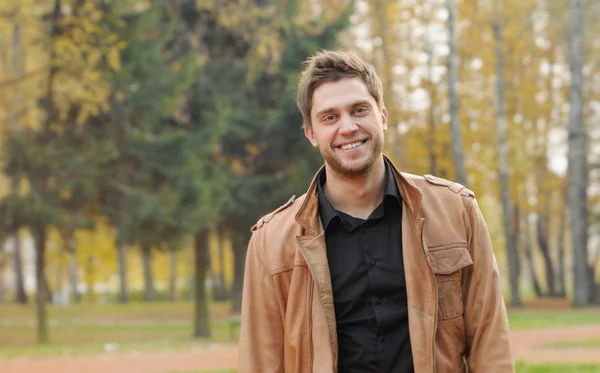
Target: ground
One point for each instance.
(528, 345)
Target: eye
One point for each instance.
(360, 110)
(329, 118)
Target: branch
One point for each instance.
(30, 74)
(18, 114)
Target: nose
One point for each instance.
(347, 124)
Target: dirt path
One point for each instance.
(526, 347)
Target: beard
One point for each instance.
(350, 169)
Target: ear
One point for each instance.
(310, 135)
(384, 119)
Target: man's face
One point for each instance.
(347, 126)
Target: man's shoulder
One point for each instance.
(434, 184)
(273, 235)
(283, 214)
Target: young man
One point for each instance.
(372, 270)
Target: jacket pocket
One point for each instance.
(447, 265)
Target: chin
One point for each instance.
(352, 168)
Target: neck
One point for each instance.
(357, 196)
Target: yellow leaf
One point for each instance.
(82, 116)
(114, 59)
(94, 57)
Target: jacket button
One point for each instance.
(373, 262)
(379, 301)
(384, 339)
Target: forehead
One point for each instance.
(340, 94)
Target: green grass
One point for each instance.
(535, 319)
(91, 329)
(591, 343)
(526, 368)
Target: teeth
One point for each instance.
(351, 146)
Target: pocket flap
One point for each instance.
(444, 262)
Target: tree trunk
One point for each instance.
(91, 278)
(219, 288)
(542, 239)
(562, 291)
(122, 259)
(39, 234)
(2, 267)
(47, 293)
(387, 64)
(457, 147)
(511, 243)
(60, 273)
(172, 272)
(594, 297)
(537, 289)
(577, 161)
(201, 315)
(20, 295)
(431, 141)
(526, 240)
(73, 277)
(240, 246)
(70, 249)
(149, 295)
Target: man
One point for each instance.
(372, 270)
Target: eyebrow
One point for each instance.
(354, 104)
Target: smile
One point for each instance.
(353, 145)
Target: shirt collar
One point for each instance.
(328, 212)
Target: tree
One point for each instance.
(42, 155)
(507, 210)
(577, 160)
(20, 295)
(141, 126)
(457, 144)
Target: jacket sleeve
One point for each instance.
(261, 330)
(486, 319)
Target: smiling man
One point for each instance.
(372, 269)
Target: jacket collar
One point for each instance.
(308, 213)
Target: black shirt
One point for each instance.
(369, 288)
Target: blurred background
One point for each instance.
(141, 139)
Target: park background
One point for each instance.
(141, 139)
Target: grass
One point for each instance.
(591, 343)
(537, 318)
(93, 329)
(526, 368)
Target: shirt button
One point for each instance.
(384, 339)
(373, 262)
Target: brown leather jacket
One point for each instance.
(457, 316)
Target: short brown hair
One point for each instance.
(332, 66)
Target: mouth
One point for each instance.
(353, 145)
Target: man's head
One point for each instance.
(341, 101)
